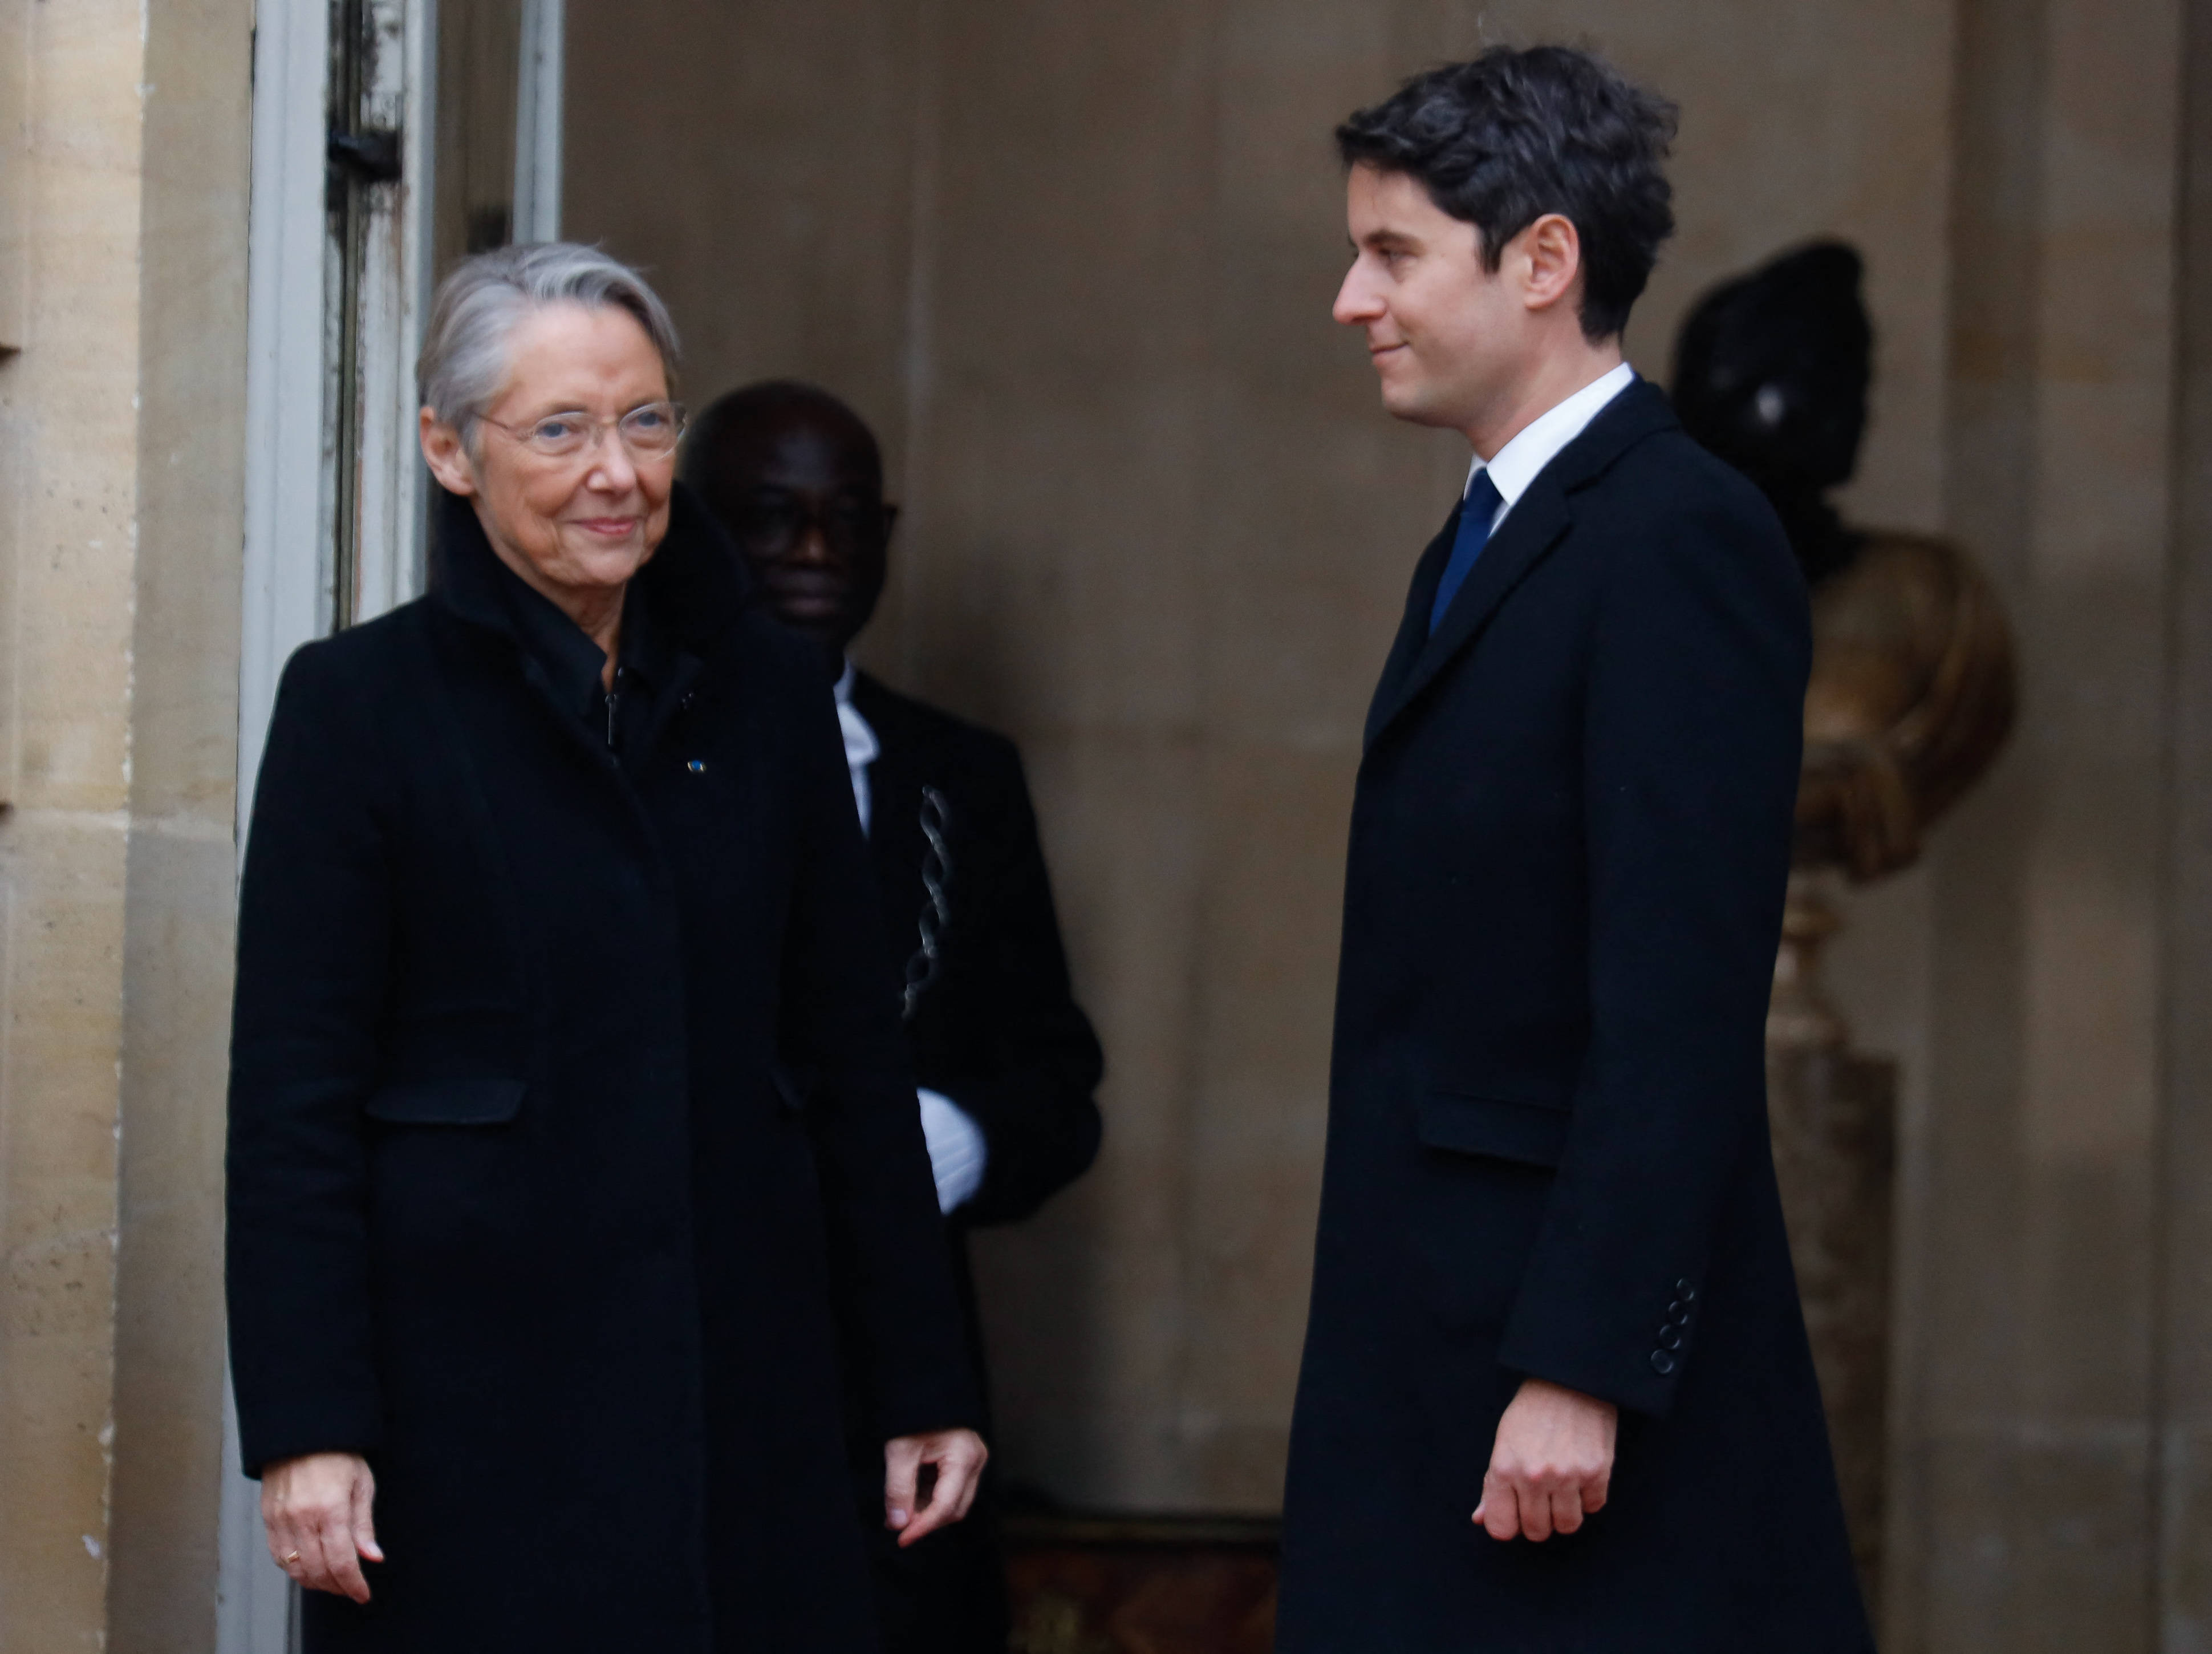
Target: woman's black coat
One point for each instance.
(524, 1204)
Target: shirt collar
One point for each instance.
(1519, 462)
(844, 691)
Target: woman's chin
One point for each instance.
(602, 565)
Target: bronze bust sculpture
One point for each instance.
(1912, 688)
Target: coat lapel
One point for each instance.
(1413, 629)
(1538, 521)
(1532, 527)
(695, 579)
(895, 783)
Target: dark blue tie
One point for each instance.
(1482, 505)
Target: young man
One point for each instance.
(1557, 1394)
(1005, 1058)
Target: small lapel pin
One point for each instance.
(696, 766)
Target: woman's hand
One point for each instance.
(316, 1508)
(955, 1456)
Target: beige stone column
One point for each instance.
(118, 580)
(181, 871)
(71, 555)
(2183, 1377)
(2023, 1514)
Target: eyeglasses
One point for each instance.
(770, 522)
(650, 432)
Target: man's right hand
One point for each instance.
(316, 1509)
(1552, 1464)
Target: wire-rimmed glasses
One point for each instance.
(649, 431)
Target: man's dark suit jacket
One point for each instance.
(1547, 1149)
(997, 1030)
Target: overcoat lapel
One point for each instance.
(1537, 523)
(895, 844)
(693, 580)
(1532, 527)
(1413, 627)
(895, 783)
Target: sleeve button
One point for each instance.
(1669, 1339)
(1662, 1363)
(1684, 1290)
(1679, 1313)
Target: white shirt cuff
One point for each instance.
(957, 1152)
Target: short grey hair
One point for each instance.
(465, 361)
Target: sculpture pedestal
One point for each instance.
(1834, 1116)
(1141, 1584)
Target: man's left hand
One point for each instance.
(956, 1458)
(1552, 1464)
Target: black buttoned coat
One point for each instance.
(563, 1086)
(1548, 1145)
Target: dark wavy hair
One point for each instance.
(1501, 141)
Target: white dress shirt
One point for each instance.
(957, 1152)
(1516, 465)
(861, 746)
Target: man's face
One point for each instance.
(804, 499)
(1448, 338)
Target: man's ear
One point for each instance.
(1550, 251)
(447, 455)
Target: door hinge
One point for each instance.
(372, 156)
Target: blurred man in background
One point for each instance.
(1006, 1060)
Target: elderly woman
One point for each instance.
(567, 1070)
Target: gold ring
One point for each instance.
(291, 1557)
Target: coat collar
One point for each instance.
(695, 583)
(694, 587)
(1537, 522)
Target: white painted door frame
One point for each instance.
(537, 121)
(301, 406)
(313, 391)
(335, 486)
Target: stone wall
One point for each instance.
(2026, 1499)
(180, 869)
(119, 432)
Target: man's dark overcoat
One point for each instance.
(563, 1082)
(994, 1026)
(1547, 1149)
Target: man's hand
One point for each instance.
(317, 1511)
(956, 1457)
(1552, 1463)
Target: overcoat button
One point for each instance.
(1669, 1339)
(1662, 1363)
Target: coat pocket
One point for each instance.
(447, 1102)
(1533, 1133)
